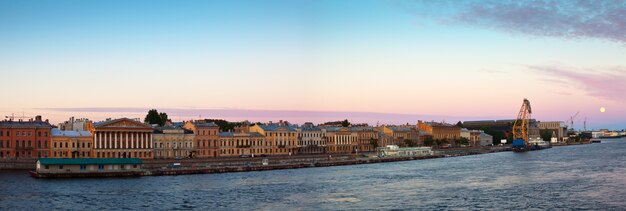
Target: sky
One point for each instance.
(389, 62)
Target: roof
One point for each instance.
(106, 122)
(400, 129)
(24, 124)
(88, 161)
(240, 134)
(274, 127)
(70, 133)
(205, 124)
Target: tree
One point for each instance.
(409, 143)
(497, 135)
(345, 123)
(546, 135)
(225, 125)
(154, 117)
(164, 118)
(428, 141)
(374, 143)
(462, 141)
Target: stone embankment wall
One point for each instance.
(17, 164)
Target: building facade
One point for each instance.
(558, 129)
(447, 133)
(282, 138)
(122, 138)
(25, 139)
(82, 124)
(71, 144)
(341, 140)
(243, 144)
(173, 143)
(366, 135)
(206, 138)
(312, 140)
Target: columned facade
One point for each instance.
(123, 138)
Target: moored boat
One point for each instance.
(88, 167)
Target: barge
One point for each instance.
(87, 167)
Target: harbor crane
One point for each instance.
(520, 127)
(571, 120)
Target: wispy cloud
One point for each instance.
(605, 83)
(555, 18)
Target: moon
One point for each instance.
(602, 109)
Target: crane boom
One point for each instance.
(520, 126)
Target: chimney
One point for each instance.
(38, 118)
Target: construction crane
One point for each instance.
(13, 117)
(520, 127)
(571, 120)
(585, 124)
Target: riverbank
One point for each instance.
(160, 167)
(325, 161)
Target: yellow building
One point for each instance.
(282, 139)
(341, 140)
(171, 142)
(243, 144)
(71, 144)
(447, 133)
(206, 139)
(400, 134)
(365, 137)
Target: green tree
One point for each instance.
(428, 141)
(374, 143)
(153, 117)
(546, 135)
(345, 123)
(225, 125)
(409, 143)
(164, 118)
(497, 135)
(462, 141)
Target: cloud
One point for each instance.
(604, 83)
(599, 19)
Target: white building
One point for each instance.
(311, 140)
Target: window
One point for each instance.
(60, 166)
(83, 167)
(39, 133)
(46, 134)
(101, 167)
(46, 167)
(55, 144)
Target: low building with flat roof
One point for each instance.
(77, 167)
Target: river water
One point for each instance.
(575, 177)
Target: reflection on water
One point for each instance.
(585, 177)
